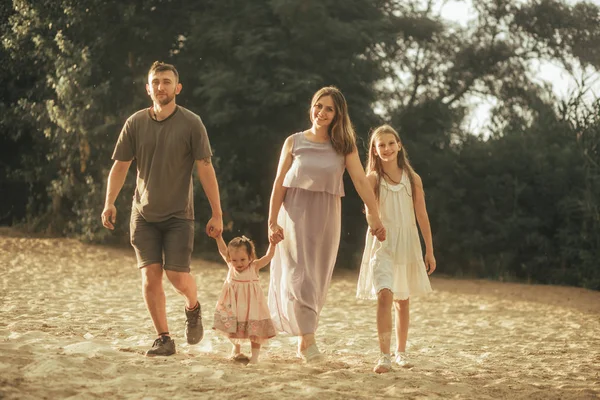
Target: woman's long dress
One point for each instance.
(311, 220)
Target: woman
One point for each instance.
(309, 185)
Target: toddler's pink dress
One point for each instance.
(242, 313)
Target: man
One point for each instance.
(166, 140)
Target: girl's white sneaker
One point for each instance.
(384, 364)
(402, 360)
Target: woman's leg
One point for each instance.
(305, 341)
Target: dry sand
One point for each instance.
(73, 325)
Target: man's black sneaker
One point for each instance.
(163, 346)
(194, 332)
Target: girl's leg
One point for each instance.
(384, 319)
(384, 330)
(255, 352)
(402, 321)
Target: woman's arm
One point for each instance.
(366, 193)
(423, 220)
(278, 193)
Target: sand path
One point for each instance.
(73, 325)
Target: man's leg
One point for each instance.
(178, 242)
(154, 296)
(184, 284)
(146, 240)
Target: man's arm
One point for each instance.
(116, 179)
(208, 179)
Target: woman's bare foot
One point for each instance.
(305, 341)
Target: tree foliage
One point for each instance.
(518, 203)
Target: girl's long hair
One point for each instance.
(374, 164)
(341, 132)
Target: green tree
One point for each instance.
(484, 194)
(255, 67)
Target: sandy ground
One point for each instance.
(73, 325)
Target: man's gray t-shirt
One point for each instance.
(165, 152)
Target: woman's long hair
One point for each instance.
(374, 162)
(341, 132)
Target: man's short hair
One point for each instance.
(159, 66)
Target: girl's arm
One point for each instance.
(366, 193)
(266, 259)
(278, 193)
(423, 220)
(222, 248)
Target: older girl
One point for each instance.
(393, 271)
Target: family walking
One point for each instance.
(168, 141)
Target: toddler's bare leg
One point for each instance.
(235, 349)
(255, 352)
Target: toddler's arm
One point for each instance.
(266, 259)
(222, 248)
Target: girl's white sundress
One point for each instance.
(396, 263)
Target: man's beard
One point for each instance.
(164, 100)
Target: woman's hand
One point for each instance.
(376, 227)
(275, 233)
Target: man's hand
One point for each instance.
(214, 227)
(109, 216)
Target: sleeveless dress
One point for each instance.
(311, 220)
(397, 263)
(242, 313)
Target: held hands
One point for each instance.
(430, 263)
(109, 216)
(214, 227)
(275, 234)
(376, 227)
(274, 240)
